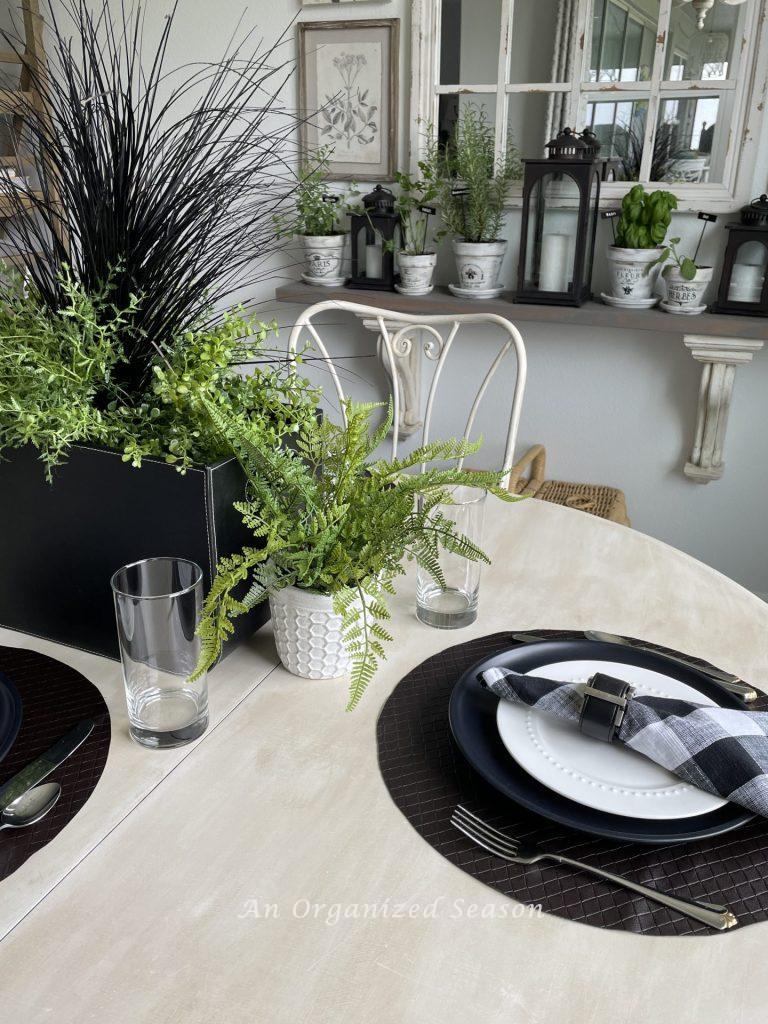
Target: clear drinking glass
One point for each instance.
(158, 602)
(455, 604)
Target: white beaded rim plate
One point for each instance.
(607, 777)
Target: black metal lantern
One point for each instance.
(375, 238)
(561, 193)
(744, 281)
(610, 167)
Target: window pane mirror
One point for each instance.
(690, 139)
(543, 33)
(604, 64)
(451, 105)
(708, 54)
(619, 124)
(623, 41)
(469, 47)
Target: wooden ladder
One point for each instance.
(19, 102)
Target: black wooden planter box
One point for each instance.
(61, 542)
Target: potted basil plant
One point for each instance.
(686, 281)
(332, 527)
(472, 193)
(633, 259)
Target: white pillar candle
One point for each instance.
(746, 282)
(553, 269)
(373, 261)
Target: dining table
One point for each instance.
(222, 881)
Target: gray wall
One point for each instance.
(614, 407)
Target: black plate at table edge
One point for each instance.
(472, 718)
(15, 712)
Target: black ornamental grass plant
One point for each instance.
(164, 183)
(157, 195)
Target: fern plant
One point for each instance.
(329, 518)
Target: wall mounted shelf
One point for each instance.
(591, 314)
(720, 342)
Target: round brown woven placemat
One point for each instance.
(55, 698)
(427, 777)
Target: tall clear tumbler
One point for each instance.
(158, 602)
(455, 604)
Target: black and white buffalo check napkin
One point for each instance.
(720, 750)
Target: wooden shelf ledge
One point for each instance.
(591, 314)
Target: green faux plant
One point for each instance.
(55, 366)
(687, 266)
(473, 183)
(414, 193)
(59, 381)
(645, 218)
(317, 211)
(329, 518)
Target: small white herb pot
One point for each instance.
(686, 296)
(417, 273)
(308, 634)
(478, 265)
(324, 259)
(628, 279)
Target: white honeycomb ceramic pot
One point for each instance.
(308, 634)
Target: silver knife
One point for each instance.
(729, 682)
(45, 764)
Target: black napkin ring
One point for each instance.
(605, 701)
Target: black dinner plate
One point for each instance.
(10, 714)
(472, 714)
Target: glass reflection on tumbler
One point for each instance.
(158, 602)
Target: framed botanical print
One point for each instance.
(348, 95)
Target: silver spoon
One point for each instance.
(31, 806)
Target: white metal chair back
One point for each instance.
(397, 333)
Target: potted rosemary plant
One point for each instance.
(145, 219)
(472, 193)
(332, 527)
(686, 281)
(317, 220)
(633, 259)
(416, 262)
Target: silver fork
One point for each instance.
(508, 848)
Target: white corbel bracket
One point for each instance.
(408, 365)
(720, 357)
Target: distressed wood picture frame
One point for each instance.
(348, 95)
